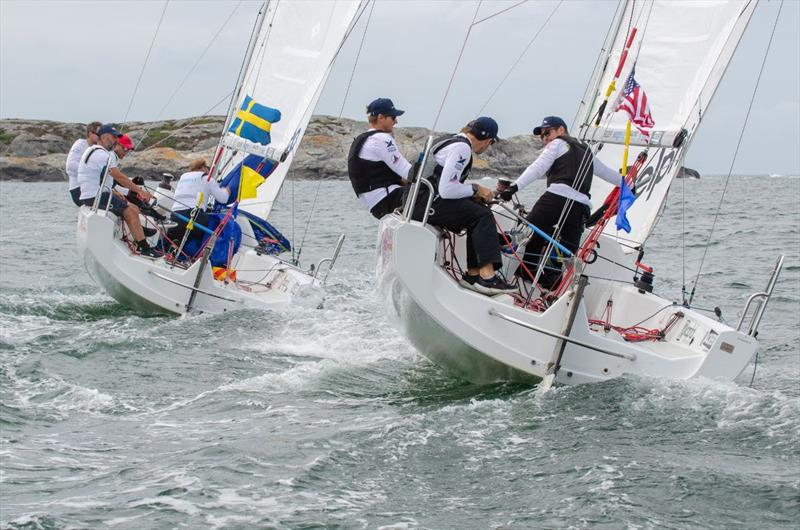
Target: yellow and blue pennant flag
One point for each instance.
(247, 176)
(254, 121)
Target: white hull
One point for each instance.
(154, 286)
(465, 331)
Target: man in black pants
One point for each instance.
(459, 206)
(568, 165)
(376, 167)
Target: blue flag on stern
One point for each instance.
(626, 198)
(254, 121)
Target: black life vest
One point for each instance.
(368, 175)
(565, 169)
(439, 144)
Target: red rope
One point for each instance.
(635, 333)
(590, 244)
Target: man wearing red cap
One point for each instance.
(91, 170)
(124, 183)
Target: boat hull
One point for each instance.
(487, 339)
(153, 286)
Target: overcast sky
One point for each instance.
(80, 61)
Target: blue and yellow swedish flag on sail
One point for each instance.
(253, 121)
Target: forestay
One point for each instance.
(680, 52)
(293, 54)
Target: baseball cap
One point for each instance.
(483, 127)
(550, 122)
(126, 142)
(383, 106)
(107, 128)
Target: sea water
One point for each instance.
(327, 418)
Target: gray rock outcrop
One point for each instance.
(32, 150)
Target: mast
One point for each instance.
(236, 96)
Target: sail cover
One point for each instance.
(293, 54)
(680, 53)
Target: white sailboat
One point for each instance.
(288, 60)
(571, 335)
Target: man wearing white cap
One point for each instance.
(568, 165)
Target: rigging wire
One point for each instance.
(341, 111)
(735, 153)
(500, 12)
(189, 73)
(146, 59)
(189, 122)
(683, 241)
(513, 66)
(455, 68)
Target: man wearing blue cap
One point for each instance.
(92, 168)
(568, 165)
(459, 206)
(375, 165)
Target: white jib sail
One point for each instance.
(293, 55)
(680, 52)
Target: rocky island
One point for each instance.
(35, 150)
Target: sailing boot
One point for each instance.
(144, 249)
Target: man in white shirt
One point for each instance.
(568, 165)
(74, 157)
(377, 169)
(92, 168)
(459, 206)
(187, 191)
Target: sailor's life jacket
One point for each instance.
(432, 170)
(574, 168)
(88, 154)
(368, 175)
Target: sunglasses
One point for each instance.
(545, 133)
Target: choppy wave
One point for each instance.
(328, 418)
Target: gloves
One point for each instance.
(412, 173)
(509, 192)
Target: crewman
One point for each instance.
(377, 169)
(460, 206)
(92, 168)
(568, 165)
(125, 184)
(189, 187)
(74, 157)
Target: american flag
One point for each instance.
(633, 100)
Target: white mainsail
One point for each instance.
(680, 53)
(293, 55)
